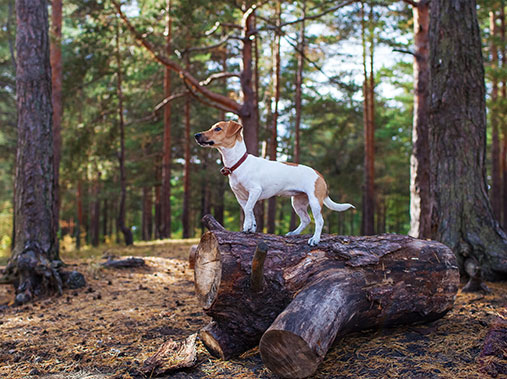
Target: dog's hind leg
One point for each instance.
(300, 205)
(316, 207)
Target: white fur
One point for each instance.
(258, 179)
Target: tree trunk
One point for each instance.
(504, 114)
(79, 206)
(310, 296)
(95, 212)
(462, 217)
(496, 183)
(35, 251)
(300, 51)
(259, 207)
(127, 233)
(56, 84)
(368, 222)
(165, 195)
(158, 221)
(274, 125)
(247, 111)
(147, 221)
(186, 174)
(420, 195)
(105, 216)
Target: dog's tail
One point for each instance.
(336, 206)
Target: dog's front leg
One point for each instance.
(249, 225)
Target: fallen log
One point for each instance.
(124, 263)
(311, 296)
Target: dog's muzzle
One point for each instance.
(200, 140)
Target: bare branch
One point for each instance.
(404, 51)
(226, 103)
(153, 115)
(311, 17)
(167, 100)
(219, 75)
(200, 99)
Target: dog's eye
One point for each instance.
(217, 129)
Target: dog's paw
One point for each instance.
(293, 233)
(250, 229)
(314, 241)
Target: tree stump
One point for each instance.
(312, 295)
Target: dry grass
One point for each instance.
(108, 329)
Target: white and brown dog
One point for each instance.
(253, 178)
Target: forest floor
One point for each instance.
(108, 328)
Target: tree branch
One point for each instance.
(219, 75)
(224, 101)
(201, 100)
(404, 51)
(311, 17)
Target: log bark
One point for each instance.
(312, 295)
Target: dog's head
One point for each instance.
(222, 134)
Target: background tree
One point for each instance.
(31, 267)
(462, 217)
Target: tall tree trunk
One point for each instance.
(462, 217)
(147, 220)
(127, 233)
(30, 267)
(496, 183)
(158, 217)
(298, 97)
(186, 175)
(274, 125)
(369, 170)
(247, 111)
(95, 212)
(56, 79)
(105, 219)
(504, 114)
(165, 195)
(259, 207)
(218, 203)
(420, 195)
(79, 201)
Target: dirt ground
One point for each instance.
(122, 316)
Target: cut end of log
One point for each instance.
(287, 354)
(208, 270)
(211, 343)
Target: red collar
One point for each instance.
(228, 171)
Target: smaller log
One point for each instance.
(298, 340)
(257, 275)
(171, 356)
(124, 263)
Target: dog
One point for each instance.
(252, 179)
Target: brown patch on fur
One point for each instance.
(226, 137)
(290, 164)
(320, 188)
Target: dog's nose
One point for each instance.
(197, 135)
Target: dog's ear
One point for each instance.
(233, 127)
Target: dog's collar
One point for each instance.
(225, 171)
